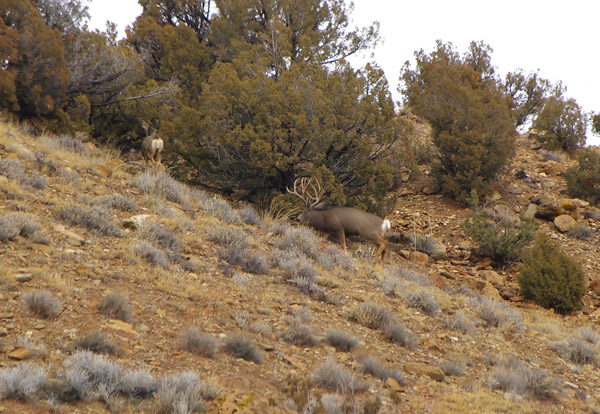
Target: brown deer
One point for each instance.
(341, 221)
(152, 145)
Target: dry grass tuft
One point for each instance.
(371, 315)
(42, 303)
(240, 346)
(116, 306)
(192, 340)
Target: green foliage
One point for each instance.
(583, 179)
(527, 95)
(501, 240)
(563, 123)
(550, 277)
(470, 118)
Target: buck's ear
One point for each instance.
(321, 204)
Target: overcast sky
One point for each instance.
(560, 38)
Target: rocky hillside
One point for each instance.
(125, 291)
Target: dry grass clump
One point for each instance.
(373, 367)
(240, 346)
(371, 315)
(250, 216)
(42, 304)
(453, 368)
(333, 376)
(182, 393)
(116, 306)
(411, 276)
(300, 239)
(21, 224)
(65, 143)
(96, 341)
(228, 236)
(162, 236)
(300, 335)
(151, 254)
(118, 201)
(460, 322)
(398, 334)
(517, 378)
(192, 340)
(95, 218)
(221, 209)
(255, 263)
(496, 314)
(163, 186)
(22, 381)
(88, 371)
(424, 301)
(335, 257)
(295, 264)
(138, 383)
(341, 341)
(576, 350)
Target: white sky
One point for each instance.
(560, 38)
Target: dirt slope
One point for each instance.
(461, 340)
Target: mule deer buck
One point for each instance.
(341, 221)
(152, 145)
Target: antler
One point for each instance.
(310, 201)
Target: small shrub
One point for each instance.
(69, 144)
(302, 314)
(371, 315)
(461, 323)
(161, 236)
(372, 366)
(300, 335)
(95, 218)
(301, 239)
(426, 244)
(118, 201)
(162, 185)
(138, 383)
(222, 210)
(75, 385)
(583, 179)
(503, 240)
(180, 393)
(581, 232)
(19, 224)
(423, 301)
(495, 313)
(396, 333)
(340, 340)
(116, 306)
(192, 340)
(41, 303)
(295, 264)
(588, 335)
(453, 368)
(411, 276)
(517, 378)
(227, 236)
(151, 254)
(241, 346)
(576, 350)
(96, 368)
(550, 277)
(97, 342)
(335, 257)
(12, 169)
(333, 376)
(255, 263)
(250, 216)
(21, 382)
